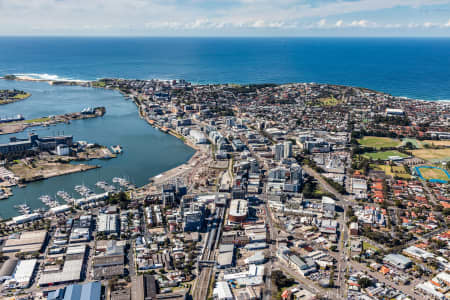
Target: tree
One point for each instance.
(364, 282)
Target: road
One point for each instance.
(346, 202)
(407, 290)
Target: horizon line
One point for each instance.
(225, 37)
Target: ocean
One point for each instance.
(410, 67)
(414, 68)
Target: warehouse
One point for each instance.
(145, 287)
(88, 291)
(26, 242)
(7, 270)
(223, 291)
(22, 274)
(71, 272)
(398, 261)
(108, 266)
(225, 260)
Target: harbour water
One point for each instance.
(146, 151)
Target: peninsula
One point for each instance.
(8, 126)
(11, 96)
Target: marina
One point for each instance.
(82, 195)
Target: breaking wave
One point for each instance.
(45, 77)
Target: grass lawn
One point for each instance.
(398, 171)
(384, 155)
(367, 246)
(329, 101)
(416, 143)
(432, 154)
(37, 120)
(431, 173)
(379, 142)
(22, 96)
(99, 84)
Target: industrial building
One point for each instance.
(222, 291)
(35, 143)
(25, 242)
(23, 274)
(111, 260)
(7, 269)
(398, 261)
(88, 291)
(145, 287)
(71, 272)
(226, 256)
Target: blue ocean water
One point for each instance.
(415, 68)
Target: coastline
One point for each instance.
(19, 126)
(162, 176)
(10, 101)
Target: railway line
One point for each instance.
(211, 242)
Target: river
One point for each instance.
(147, 151)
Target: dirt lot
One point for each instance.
(30, 171)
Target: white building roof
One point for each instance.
(238, 208)
(223, 291)
(59, 209)
(70, 272)
(24, 271)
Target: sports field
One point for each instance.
(379, 142)
(430, 173)
(433, 155)
(384, 155)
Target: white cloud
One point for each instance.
(360, 23)
(147, 16)
(322, 23)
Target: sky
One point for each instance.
(259, 18)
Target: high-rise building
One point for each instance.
(287, 149)
(279, 152)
